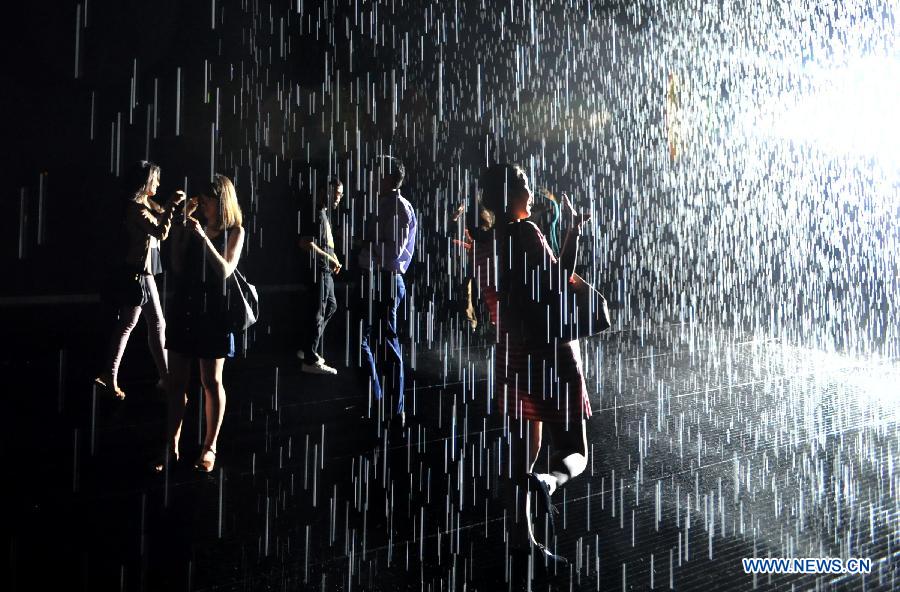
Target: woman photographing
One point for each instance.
(204, 255)
(133, 289)
(540, 387)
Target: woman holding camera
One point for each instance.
(540, 387)
(203, 256)
(133, 290)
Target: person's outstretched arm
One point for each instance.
(157, 225)
(569, 252)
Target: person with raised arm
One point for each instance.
(204, 255)
(540, 387)
(133, 288)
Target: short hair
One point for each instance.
(394, 169)
(322, 192)
(497, 183)
(222, 189)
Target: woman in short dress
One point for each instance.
(539, 382)
(203, 257)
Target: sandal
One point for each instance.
(166, 461)
(106, 384)
(545, 566)
(203, 465)
(543, 506)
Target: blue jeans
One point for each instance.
(380, 344)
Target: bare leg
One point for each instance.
(568, 453)
(156, 329)
(179, 376)
(128, 318)
(523, 444)
(214, 399)
(568, 441)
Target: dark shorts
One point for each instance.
(127, 287)
(199, 337)
(205, 347)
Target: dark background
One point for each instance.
(576, 94)
(800, 252)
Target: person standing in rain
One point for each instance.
(204, 256)
(540, 384)
(133, 290)
(317, 239)
(386, 255)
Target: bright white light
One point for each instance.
(872, 381)
(853, 109)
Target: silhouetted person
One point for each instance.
(317, 239)
(538, 378)
(203, 257)
(133, 288)
(390, 241)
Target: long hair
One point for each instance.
(497, 183)
(230, 215)
(137, 182)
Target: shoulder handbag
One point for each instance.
(578, 310)
(584, 311)
(242, 302)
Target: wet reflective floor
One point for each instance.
(706, 447)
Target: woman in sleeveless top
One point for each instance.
(538, 380)
(134, 291)
(204, 256)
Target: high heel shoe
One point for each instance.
(543, 506)
(105, 382)
(167, 460)
(204, 464)
(545, 565)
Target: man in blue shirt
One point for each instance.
(386, 255)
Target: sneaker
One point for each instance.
(302, 356)
(319, 367)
